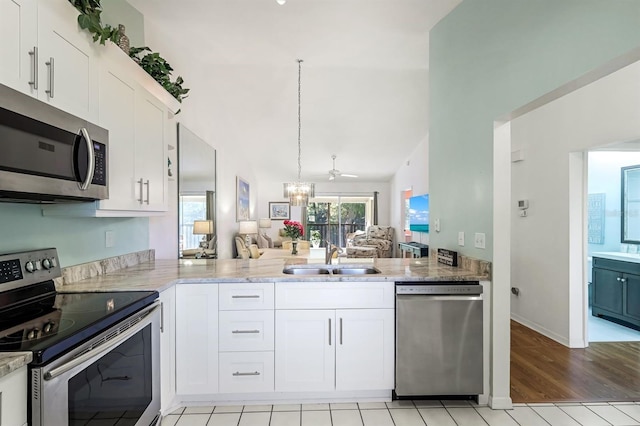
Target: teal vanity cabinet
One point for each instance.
(616, 290)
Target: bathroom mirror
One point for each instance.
(196, 194)
(631, 204)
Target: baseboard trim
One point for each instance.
(500, 403)
(538, 328)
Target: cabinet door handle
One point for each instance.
(254, 373)
(245, 331)
(140, 183)
(340, 330)
(329, 331)
(34, 67)
(242, 296)
(51, 66)
(147, 183)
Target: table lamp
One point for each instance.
(205, 228)
(264, 224)
(248, 227)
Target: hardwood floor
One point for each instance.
(543, 370)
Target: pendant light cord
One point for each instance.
(299, 119)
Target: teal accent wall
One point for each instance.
(487, 58)
(116, 12)
(78, 240)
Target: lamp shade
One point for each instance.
(202, 227)
(248, 227)
(264, 223)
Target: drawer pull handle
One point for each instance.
(255, 373)
(242, 296)
(245, 331)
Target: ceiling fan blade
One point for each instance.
(348, 175)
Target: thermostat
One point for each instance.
(523, 204)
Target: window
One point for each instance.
(337, 216)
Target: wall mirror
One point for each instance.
(631, 204)
(196, 196)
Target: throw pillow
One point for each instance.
(269, 241)
(262, 241)
(253, 249)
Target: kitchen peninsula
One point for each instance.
(243, 331)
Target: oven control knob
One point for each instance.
(46, 264)
(30, 266)
(32, 334)
(48, 327)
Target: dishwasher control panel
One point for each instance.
(439, 289)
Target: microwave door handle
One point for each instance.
(92, 162)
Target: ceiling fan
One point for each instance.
(335, 172)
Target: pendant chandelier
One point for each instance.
(299, 192)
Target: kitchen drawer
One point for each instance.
(335, 295)
(246, 330)
(246, 296)
(246, 372)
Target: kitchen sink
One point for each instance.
(298, 270)
(306, 271)
(355, 271)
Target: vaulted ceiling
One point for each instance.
(364, 78)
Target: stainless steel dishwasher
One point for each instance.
(438, 339)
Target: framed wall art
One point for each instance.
(279, 210)
(242, 199)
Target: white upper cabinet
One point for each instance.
(67, 60)
(46, 55)
(18, 38)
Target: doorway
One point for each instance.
(604, 229)
(337, 217)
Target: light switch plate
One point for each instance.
(480, 240)
(436, 225)
(109, 239)
(461, 238)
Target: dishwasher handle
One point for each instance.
(456, 290)
(439, 297)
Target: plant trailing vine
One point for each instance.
(155, 65)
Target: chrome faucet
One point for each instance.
(329, 250)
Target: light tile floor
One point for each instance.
(602, 330)
(409, 413)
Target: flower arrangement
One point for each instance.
(293, 229)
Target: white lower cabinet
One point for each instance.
(196, 339)
(168, 348)
(242, 372)
(246, 337)
(305, 350)
(293, 337)
(13, 398)
(349, 347)
(323, 350)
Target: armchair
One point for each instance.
(378, 237)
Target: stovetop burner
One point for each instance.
(33, 317)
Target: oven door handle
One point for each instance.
(105, 346)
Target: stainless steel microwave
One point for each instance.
(48, 155)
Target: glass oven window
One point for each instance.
(115, 389)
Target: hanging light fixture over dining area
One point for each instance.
(299, 192)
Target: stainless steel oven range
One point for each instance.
(95, 355)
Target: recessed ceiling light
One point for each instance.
(281, 2)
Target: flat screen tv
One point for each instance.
(419, 213)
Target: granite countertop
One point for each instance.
(161, 274)
(12, 361)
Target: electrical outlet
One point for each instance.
(480, 240)
(461, 238)
(109, 239)
(436, 225)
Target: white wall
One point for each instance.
(542, 253)
(414, 175)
